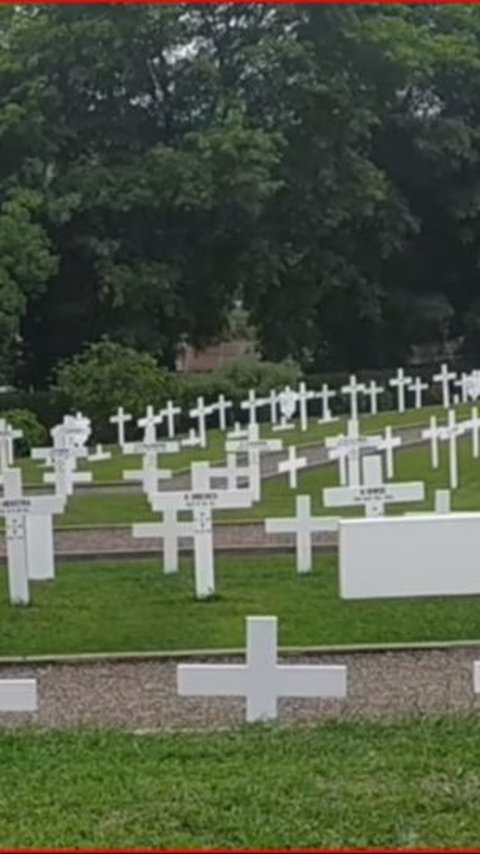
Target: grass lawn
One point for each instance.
(132, 606)
(408, 784)
(279, 499)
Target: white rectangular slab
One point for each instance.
(18, 695)
(431, 555)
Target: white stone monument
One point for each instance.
(261, 680)
(444, 378)
(291, 466)
(353, 389)
(120, 419)
(417, 387)
(303, 525)
(254, 446)
(373, 493)
(400, 382)
(18, 695)
(287, 402)
(202, 502)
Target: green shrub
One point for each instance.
(107, 375)
(34, 433)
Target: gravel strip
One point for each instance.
(142, 695)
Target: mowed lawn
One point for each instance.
(279, 499)
(132, 606)
(407, 785)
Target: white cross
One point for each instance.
(261, 679)
(272, 399)
(372, 391)
(231, 473)
(324, 395)
(433, 433)
(349, 448)
(251, 405)
(303, 525)
(303, 396)
(149, 474)
(222, 406)
(29, 535)
(400, 382)
(192, 440)
(200, 412)
(444, 378)
(463, 384)
(99, 454)
(353, 389)
(201, 502)
(63, 457)
(388, 443)
(418, 387)
(18, 695)
(473, 424)
(170, 530)
(120, 419)
(7, 438)
(473, 385)
(373, 494)
(450, 433)
(149, 424)
(291, 466)
(169, 412)
(253, 446)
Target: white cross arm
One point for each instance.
(223, 498)
(294, 526)
(344, 496)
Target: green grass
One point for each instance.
(407, 784)
(134, 607)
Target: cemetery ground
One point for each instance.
(401, 784)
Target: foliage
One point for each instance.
(107, 375)
(317, 164)
(34, 433)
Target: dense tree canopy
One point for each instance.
(159, 163)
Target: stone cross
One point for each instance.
(222, 406)
(261, 679)
(120, 419)
(303, 525)
(201, 502)
(169, 412)
(251, 405)
(418, 387)
(7, 438)
(253, 446)
(29, 535)
(349, 448)
(292, 465)
(450, 434)
(353, 389)
(473, 424)
(149, 474)
(303, 396)
(63, 458)
(388, 443)
(169, 530)
(373, 494)
(463, 386)
(18, 695)
(324, 396)
(444, 378)
(200, 413)
(400, 382)
(372, 391)
(149, 424)
(272, 400)
(433, 433)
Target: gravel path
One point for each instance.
(142, 695)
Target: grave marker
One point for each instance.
(418, 387)
(373, 494)
(261, 679)
(373, 391)
(444, 378)
(200, 413)
(291, 466)
(303, 525)
(400, 382)
(353, 389)
(18, 695)
(120, 419)
(254, 446)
